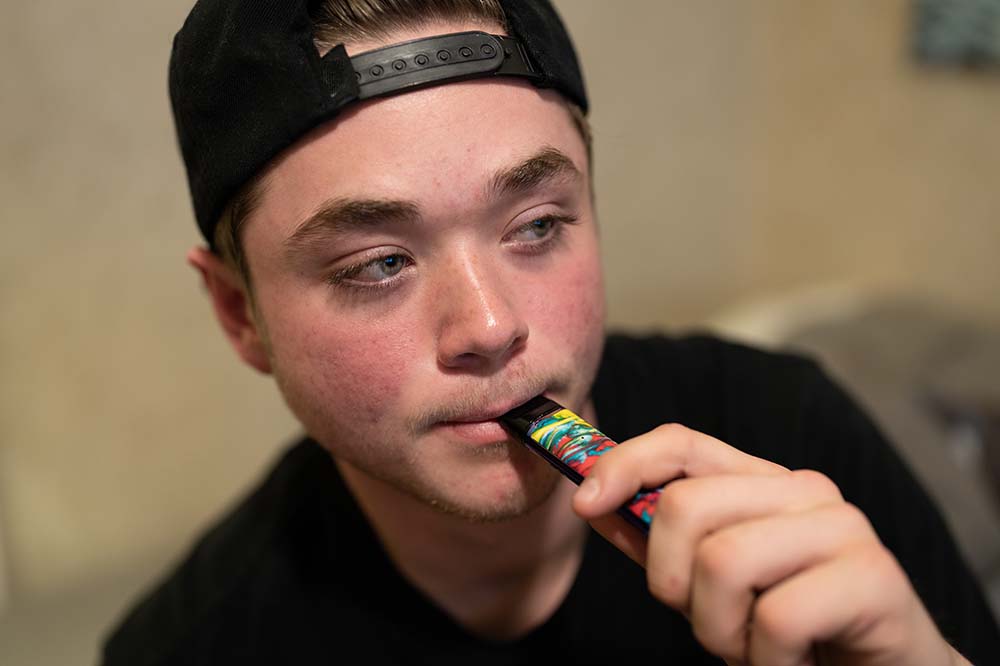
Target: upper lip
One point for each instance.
(489, 413)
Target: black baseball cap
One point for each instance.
(246, 81)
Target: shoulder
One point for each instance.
(231, 579)
(700, 356)
(720, 387)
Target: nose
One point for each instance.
(480, 328)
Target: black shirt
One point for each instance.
(294, 573)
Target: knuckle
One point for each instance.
(728, 645)
(668, 587)
(676, 503)
(681, 438)
(854, 518)
(671, 429)
(878, 569)
(775, 621)
(714, 558)
(878, 560)
(818, 484)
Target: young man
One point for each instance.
(406, 241)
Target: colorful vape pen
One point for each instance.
(572, 446)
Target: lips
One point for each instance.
(475, 432)
(481, 425)
(488, 414)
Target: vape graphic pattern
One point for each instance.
(578, 444)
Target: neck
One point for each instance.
(498, 580)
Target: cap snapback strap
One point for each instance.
(433, 60)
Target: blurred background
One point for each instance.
(803, 175)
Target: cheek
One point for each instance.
(571, 308)
(341, 369)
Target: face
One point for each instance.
(421, 265)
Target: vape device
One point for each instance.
(572, 446)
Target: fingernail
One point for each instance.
(589, 490)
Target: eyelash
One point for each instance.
(344, 278)
(559, 223)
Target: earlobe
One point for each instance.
(232, 307)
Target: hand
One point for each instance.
(770, 566)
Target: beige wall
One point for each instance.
(743, 149)
(758, 147)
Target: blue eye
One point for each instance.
(541, 235)
(372, 273)
(535, 230)
(542, 226)
(391, 264)
(380, 269)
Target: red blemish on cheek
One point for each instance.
(368, 370)
(338, 371)
(575, 300)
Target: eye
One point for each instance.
(542, 234)
(376, 272)
(535, 230)
(379, 269)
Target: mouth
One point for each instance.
(482, 425)
(493, 412)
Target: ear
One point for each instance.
(232, 307)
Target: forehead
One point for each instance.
(437, 147)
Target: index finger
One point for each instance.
(663, 454)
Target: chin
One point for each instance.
(508, 487)
(502, 506)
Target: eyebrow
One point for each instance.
(339, 216)
(545, 166)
